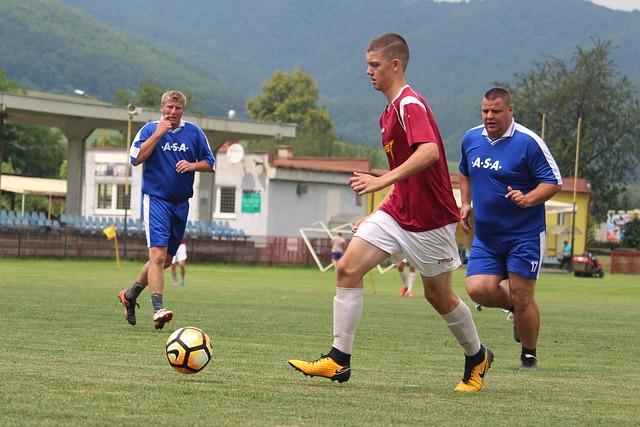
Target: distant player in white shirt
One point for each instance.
(180, 258)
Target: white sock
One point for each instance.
(412, 279)
(347, 311)
(460, 323)
(403, 277)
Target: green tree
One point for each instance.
(30, 150)
(35, 150)
(292, 98)
(8, 85)
(631, 237)
(591, 88)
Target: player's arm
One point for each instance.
(205, 158)
(147, 146)
(424, 156)
(546, 172)
(200, 166)
(543, 192)
(465, 195)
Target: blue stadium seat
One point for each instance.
(3, 214)
(42, 215)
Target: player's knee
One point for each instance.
(475, 292)
(345, 273)
(521, 300)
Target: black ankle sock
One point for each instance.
(156, 302)
(339, 357)
(529, 351)
(512, 309)
(134, 292)
(476, 358)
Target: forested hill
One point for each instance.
(458, 49)
(51, 46)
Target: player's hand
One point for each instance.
(517, 197)
(356, 224)
(363, 183)
(164, 126)
(465, 212)
(183, 166)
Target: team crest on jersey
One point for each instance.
(487, 163)
(388, 148)
(175, 147)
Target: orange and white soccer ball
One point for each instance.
(188, 350)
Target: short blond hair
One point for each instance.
(175, 95)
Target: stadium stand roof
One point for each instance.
(30, 185)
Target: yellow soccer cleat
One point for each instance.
(323, 367)
(473, 379)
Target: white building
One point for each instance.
(260, 194)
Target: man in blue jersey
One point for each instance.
(508, 172)
(172, 150)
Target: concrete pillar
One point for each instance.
(206, 196)
(76, 134)
(75, 176)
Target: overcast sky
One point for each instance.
(619, 4)
(628, 5)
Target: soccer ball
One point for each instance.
(188, 350)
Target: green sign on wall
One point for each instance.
(251, 200)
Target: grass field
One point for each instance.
(69, 358)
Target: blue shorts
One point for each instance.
(164, 222)
(335, 256)
(522, 256)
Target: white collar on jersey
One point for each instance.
(507, 134)
(399, 93)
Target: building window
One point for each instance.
(112, 197)
(227, 200)
(104, 196)
(123, 201)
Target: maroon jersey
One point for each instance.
(423, 201)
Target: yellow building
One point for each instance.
(559, 217)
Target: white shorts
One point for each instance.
(181, 254)
(430, 252)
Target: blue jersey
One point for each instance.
(187, 142)
(519, 159)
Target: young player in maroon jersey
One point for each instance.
(418, 219)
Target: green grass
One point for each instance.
(69, 358)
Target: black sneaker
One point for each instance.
(528, 362)
(129, 307)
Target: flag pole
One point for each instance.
(115, 239)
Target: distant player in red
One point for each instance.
(417, 219)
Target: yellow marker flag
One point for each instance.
(110, 232)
